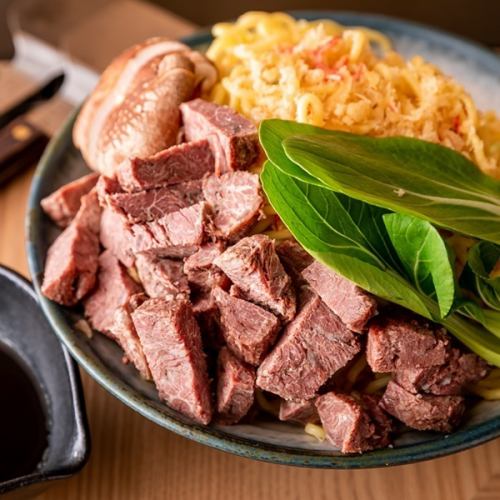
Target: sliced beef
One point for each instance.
(116, 236)
(235, 387)
(313, 347)
(62, 205)
(294, 259)
(185, 162)
(161, 277)
(233, 138)
(236, 202)
(423, 412)
(248, 330)
(184, 228)
(202, 274)
(71, 265)
(353, 425)
(171, 341)
(114, 289)
(254, 267)
(123, 332)
(350, 303)
(145, 206)
(208, 317)
(300, 412)
(399, 340)
(444, 380)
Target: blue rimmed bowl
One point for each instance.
(479, 71)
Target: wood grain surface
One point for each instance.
(133, 458)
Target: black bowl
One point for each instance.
(26, 336)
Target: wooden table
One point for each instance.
(132, 458)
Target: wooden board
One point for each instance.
(133, 458)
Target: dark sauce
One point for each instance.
(23, 430)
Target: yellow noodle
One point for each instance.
(273, 66)
(316, 431)
(377, 384)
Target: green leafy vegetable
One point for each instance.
(488, 318)
(401, 174)
(482, 259)
(325, 231)
(328, 232)
(424, 256)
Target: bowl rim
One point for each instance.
(211, 436)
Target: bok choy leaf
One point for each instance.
(401, 174)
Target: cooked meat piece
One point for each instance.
(208, 317)
(313, 347)
(134, 110)
(233, 138)
(400, 340)
(62, 205)
(123, 332)
(71, 265)
(184, 228)
(171, 341)
(235, 387)
(294, 259)
(350, 303)
(444, 380)
(301, 412)
(423, 412)
(162, 278)
(184, 162)
(248, 330)
(254, 267)
(144, 206)
(114, 289)
(236, 201)
(116, 236)
(202, 274)
(353, 425)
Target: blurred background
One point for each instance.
(50, 19)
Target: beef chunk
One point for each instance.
(202, 274)
(162, 278)
(294, 259)
(444, 380)
(353, 425)
(253, 265)
(184, 228)
(171, 341)
(148, 205)
(123, 332)
(184, 162)
(71, 265)
(208, 317)
(401, 340)
(350, 303)
(423, 412)
(152, 204)
(313, 347)
(62, 205)
(302, 412)
(235, 387)
(116, 236)
(233, 138)
(248, 329)
(114, 289)
(236, 201)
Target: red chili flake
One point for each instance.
(456, 124)
(285, 49)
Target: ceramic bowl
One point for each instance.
(28, 338)
(479, 71)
